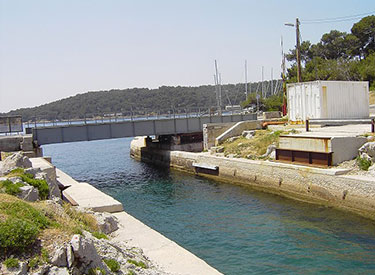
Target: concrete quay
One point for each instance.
(85, 195)
(168, 255)
(330, 187)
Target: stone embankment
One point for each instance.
(115, 243)
(329, 187)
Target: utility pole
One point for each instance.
(272, 91)
(298, 48)
(298, 52)
(283, 77)
(217, 78)
(246, 78)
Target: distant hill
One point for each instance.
(137, 99)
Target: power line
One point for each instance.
(342, 17)
(336, 19)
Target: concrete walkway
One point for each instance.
(167, 254)
(87, 196)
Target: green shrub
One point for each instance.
(12, 263)
(33, 262)
(99, 235)
(130, 272)
(363, 163)
(16, 235)
(113, 265)
(45, 255)
(41, 185)
(10, 187)
(140, 263)
(22, 210)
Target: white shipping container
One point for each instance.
(328, 100)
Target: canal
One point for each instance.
(235, 229)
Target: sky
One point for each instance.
(51, 50)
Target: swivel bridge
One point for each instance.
(129, 127)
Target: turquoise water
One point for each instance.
(235, 229)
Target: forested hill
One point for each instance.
(138, 99)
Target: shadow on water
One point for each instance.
(235, 229)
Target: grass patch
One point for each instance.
(363, 163)
(130, 272)
(99, 235)
(11, 188)
(140, 263)
(83, 220)
(20, 224)
(40, 184)
(17, 172)
(256, 147)
(12, 263)
(113, 265)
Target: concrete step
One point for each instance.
(85, 195)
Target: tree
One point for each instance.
(364, 30)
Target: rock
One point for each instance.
(42, 271)
(248, 134)
(54, 190)
(365, 156)
(69, 256)
(107, 223)
(32, 171)
(14, 161)
(272, 155)
(58, 271)
(218, 149)
(271, 148)
(369, 149)
(59, 257)
(85, 252)
(20, 270)
(15, 179)
(233, 139)
(28, 193)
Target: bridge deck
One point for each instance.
(130, 128)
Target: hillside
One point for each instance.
(137, 99)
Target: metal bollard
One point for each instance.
(307, 125)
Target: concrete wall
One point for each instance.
(70, 133)
(314, 185)
(211, 131)
(237, 129)
(346, 148)
(19, 143)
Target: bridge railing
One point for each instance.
(129, 115)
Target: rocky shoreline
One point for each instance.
(83, 253)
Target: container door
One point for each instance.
(324, 110)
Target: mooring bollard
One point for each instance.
(373, 125)
(307, 125)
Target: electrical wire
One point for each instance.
(335, 19)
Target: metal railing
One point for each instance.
(130, 115)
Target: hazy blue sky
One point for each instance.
(54, 49)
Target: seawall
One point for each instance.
(163, 252)
(329, 187)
